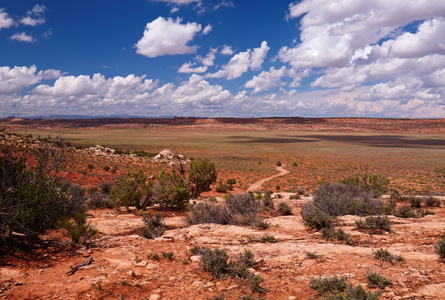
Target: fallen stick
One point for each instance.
(75, 268)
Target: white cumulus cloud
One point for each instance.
(23, 37)
(242, 62)
(35, 16)
(167, 37)
(5, 20)
(266, 80)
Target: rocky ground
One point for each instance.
(121, 268)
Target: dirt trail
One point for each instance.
(257, 185)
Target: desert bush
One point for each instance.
(377, 222)
(231, 181)
(325, 285)
(169, 190)
(424, 212)
(334, 288)
(301, 191)
(340, 234)
(432, 201)
(153, 256)
(384, 255)
(131, 191)
(284, 209)
(336, 199)
(255, 284)
(268, 239)
(268, 202)
(223, 188)
(390, 207)
(374, 184)
(312, 255)
(167, 255)
(106, 186)
(315, 218)
(202, 174)
(98, 200)
(261, 224)
(206, 212)
(34, 199)
(439, 248)
(243, 204)
(415, 202)
(279, 163)
(106, 168)
(77, 227)
(154, 226)
(406, 212)
(375, 279)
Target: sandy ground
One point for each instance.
(122, 270)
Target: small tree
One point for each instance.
(170, 190)
(202, 174)
(133, 191)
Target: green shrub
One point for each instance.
(243, 204)
(154, 226)
(76, 228)
(440, 249)
(378, 222)
(206, 212)
(90, 167)
(261, 224)
(374, 184)
(406, 212)
(284, 209)
(301, 191)
(432, 201)
(170, 190)
(279, 163)
(34, 199)
(313, 255)
(268, 239)
(390, 207)
(268, 202)
(153, 256)
(131, 191)
(325, 285)
(384, 255)
(168, 255)
(340, 234)
(231, 181)
(415, 202)
(106, 168)
(98, 200)
(223, 188)
(375, 279)
(424, 212)
(202, 174)
(255, 284)
(315, 218)
(336, 199)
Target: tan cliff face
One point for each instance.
(122, 266)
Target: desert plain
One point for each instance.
(409, 152)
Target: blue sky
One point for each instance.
(221, 58)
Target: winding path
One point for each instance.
(257, 185)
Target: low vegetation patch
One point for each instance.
(378, 222)
(239, 209)
(432, 201)
(154, 226)
(375, 279)
(340, 234)
(313, 255)
(384, 255)
(338, 288)
(316, 218)
(284, 209)
(440, 248)
(218, 264)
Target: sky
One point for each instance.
(223, 58)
